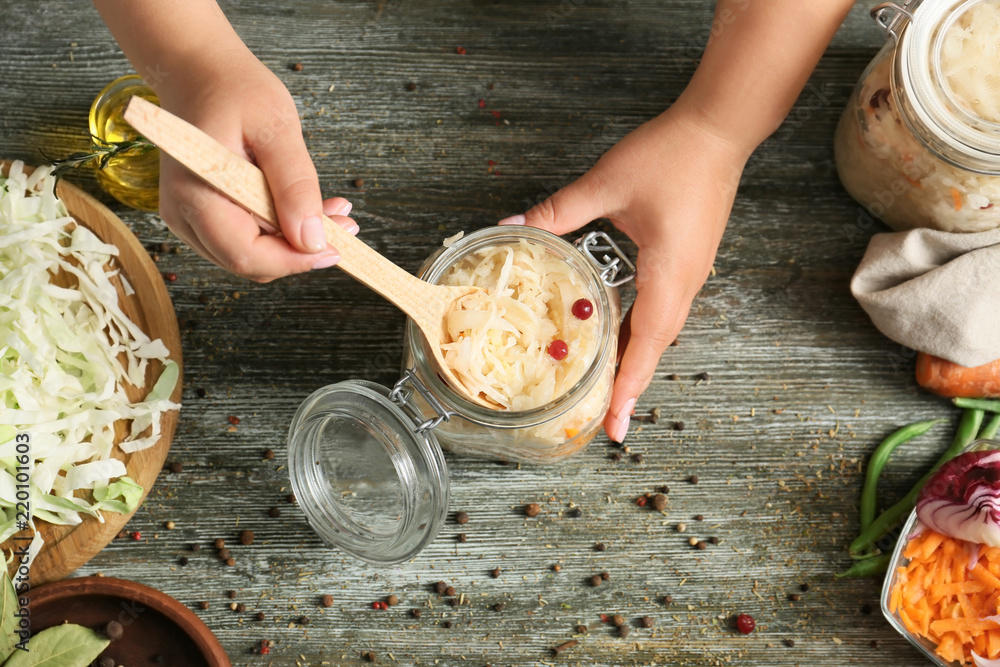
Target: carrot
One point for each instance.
(938, 597)
(956, 197)
(949, 379)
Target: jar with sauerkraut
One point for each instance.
(919, 142)
(536, 347)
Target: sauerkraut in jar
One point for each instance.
(919, 143)
(547, 403)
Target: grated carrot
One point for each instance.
(956, 197)
(939, 598)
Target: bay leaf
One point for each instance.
(66, 645)
(8, 621)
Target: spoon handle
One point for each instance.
(245, 184)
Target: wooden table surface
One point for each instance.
(801, 387)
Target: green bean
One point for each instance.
(878, 461)
(968, 428)
(990, 430)
(977, 404)
(870, 567)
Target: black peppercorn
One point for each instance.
(605, 576)
(274, 512)
(114, 630)
(463, 538)
(416, 613)
(260, 616)
(599, 546)
(596, 580)
(623, 631)
(462, 518)
(203, 604)
(246, 537)
(647, 621)
(495, 573)
(183, 561)
(176, 467)
(303, 620)
(446, 624)
(618, 620)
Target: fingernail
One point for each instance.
(513, 220)
(345, 209)
(621, 430)
(313, 236)
(352, 228)
(623, 418)
(327, 262)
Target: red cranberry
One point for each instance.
(745, 623)
(558, 349)
(583, 309)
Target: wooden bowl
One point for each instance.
(155, 623)
(68, 547)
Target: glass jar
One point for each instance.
(365, 461)
(132, 177)
(914, 146)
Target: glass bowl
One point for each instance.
(922, 644)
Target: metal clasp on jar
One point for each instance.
(891, 17)
(610, 266)
(400, 395)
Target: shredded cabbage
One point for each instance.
(497, 339)
(970, 59)
(66, 356)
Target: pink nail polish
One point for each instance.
(345, 209)
(513, 220)
(352, 228)
(626, 410)
(621, 430)
(326, 262)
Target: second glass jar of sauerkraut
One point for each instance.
(919, 142)
(550, 402)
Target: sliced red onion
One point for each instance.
(984, 662)
(972, 549)
(962, 499)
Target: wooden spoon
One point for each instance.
(243, 183)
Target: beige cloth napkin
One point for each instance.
(937, 292)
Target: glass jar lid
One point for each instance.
(941, 74)
(367, 472)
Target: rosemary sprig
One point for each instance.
(100, 150)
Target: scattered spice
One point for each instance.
(231, 594)
(176, 467)
(203, 604)
(564, 646)
(668, 599)
(495, 573)
(114, 630)
(596, 580)
(637, 458)
(230, 562)
(274, 512)
(533, 509)
(392, 600)
(136, 535)
(659, 502)
(498, 606)
(369, 656)
(246, 537)
(664, 489)
(703, 376)
(224, 554)
(615, 456)
(463, 538)
(698, 517)
(326, 601)
(647, 621)
(681, 527)
(440, 587)
(446, 624)
(234, 420)
(290, 498)
(182, 561)
(641, 501)
(794, 597)
(873, 643)
(411, 85)
(200, 392)
(582, 629)
(297, 67)
(557, 568)
(804, 588)
(745, 623)
(678, 426)
(303, 620)
(605, 576)
(617, 620)
(790, 643)
(623, 631)
(460, 50)
(693, 479)
(692, 541)
(170, 277)
(673, 377)
(599, 546)
(170, 525)
(107, 661)
(701, 545)
(416, 613)
(219, 543)
(195, 547)
(359, 183)
(462, 518)
(866, 609)
(260, 616)
(575, 513)
(450, 591)
(269, 454)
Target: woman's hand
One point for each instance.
(670, 186)
(244, 105)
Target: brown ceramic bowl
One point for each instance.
(155, 624)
